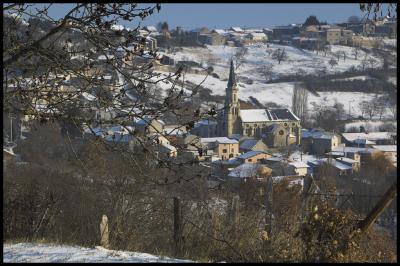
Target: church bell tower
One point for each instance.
(232, 106)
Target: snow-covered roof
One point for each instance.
(260, 115)
(222, 140)
(267, 29)
(220, 31)
(274, 159)
(150, 28)
(373, 136)
(204, 123)
(257, 34)
(346, 160)
(250, 154)
(237, 29)
(334, 163)
(173, 130)
(363, 141)
(88, 96)
(117, 27)
(245, 170)
(352, 149)
(337, 153)
(299, 164)
(339, 165)
(385, 148)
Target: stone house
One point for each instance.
(297, 168)
(223, 147)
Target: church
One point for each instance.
(277, 127)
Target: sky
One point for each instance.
(190, 16)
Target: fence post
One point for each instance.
(177, 227)
(104, 234)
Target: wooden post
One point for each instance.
(234, 210)
(383, 203)
(268, 207)
(104, 234)
(177, 227)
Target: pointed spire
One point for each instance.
(232, 78)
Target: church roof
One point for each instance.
(261, 115)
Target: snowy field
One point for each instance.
(29, 252)
(280, 93)
(260, 54)
(369, 125)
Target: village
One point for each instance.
(240, 105)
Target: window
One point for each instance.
(249, 160)
(247, 125)
(224, 150)
(232, 150)
(255, 125)
(281, 132)
(293, 124)
(285, 124)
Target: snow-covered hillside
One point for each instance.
(29, 252)
(260, 54)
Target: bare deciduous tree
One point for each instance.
(332, 62)
(239, 56)
(300, 101)
(267, 71)
(279, 55)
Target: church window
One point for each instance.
(234, 97)
(285, 124)
(281, 132)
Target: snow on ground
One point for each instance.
(369, 125)
(391, 42)
(259, 54)
(364, 77)
(30, 252)
(281, 93)
(392, 80)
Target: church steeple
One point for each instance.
(232, 78)
(230, 123)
